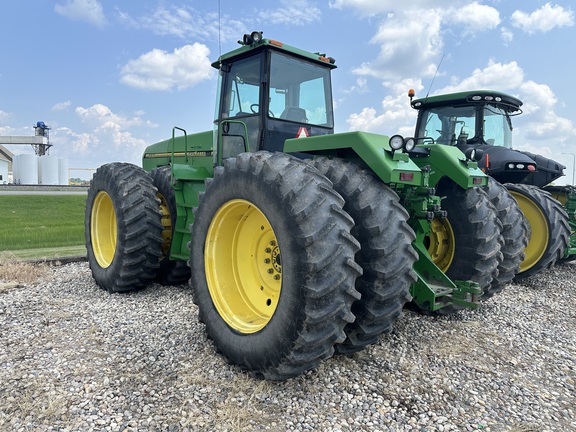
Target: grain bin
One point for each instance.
(48, 170)
(27, 169)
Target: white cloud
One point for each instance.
(294, 12)
(544, 19)
(80, 143)
(102, 135)
(411, 40)
(110, 128)
(159, 70)
(185, 22)
(396, 114)
(376, 7)
(544, 124)
(407, 47)
(506, 35)
(82, 10)
(495, 76)
(61, 106)
(101, 116)
(473, 18)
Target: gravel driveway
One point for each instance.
(74, 358)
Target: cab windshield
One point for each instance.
(456, 125)
(497, 126)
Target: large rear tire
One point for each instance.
(386, 255)
(560, 193)
(515, 232)
(550, 230)
(122, 227)
(272, 262)
(466, 245)
(170, 272)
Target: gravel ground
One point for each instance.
(74, 358)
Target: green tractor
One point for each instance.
(481, 121)
(297, 242)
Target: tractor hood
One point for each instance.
(514, 166)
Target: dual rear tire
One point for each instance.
(272, 260)
(276, 268)
(129, 220)
(122, 228)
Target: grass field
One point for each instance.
(42, 225)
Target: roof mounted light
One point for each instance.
(252, 38)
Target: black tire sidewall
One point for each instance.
(102, 182)
(129, 269)
(269, 344)
(470, 243)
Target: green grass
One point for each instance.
(41, 222)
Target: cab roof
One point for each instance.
(275, 45)
(469, 98)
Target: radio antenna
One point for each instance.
(219, 31)
(434, 77)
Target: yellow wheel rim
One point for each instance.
(103, 229)
(243, 266)
(166, 226)
(539, 239)
(442, 244)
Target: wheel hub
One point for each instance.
(441, 245)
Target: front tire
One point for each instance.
(466, 245)
(560, 193)
(386, 255)
(550, 229)
(122, 227)
(272, 262)
(515, 232)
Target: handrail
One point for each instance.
(220, 134)
(173, 144)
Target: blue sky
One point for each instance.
(111, 77)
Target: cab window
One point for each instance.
(299, 91)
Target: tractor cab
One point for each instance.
(482, 120)
(269, 92)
